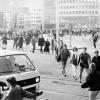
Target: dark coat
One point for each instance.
(41, 41)
(46, 46)
(64, 54)
(4, 40)
(96, 60)
(17, 93)
(28, 40)
(20, 42)
(84, 59)
(92, 81)
(95, 38)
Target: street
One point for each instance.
(55, 86)
(44, 30)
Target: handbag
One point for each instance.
(58, 58)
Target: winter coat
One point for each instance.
(41, 42)
(4, 40)
(96, 60)
(84, 59)
(64, 54)
(46, 46)
(92, 81)
(17, 93)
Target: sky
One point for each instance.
(33, 3)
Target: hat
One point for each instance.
(96, 52)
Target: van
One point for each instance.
(17, 64)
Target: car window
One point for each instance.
(15, 63)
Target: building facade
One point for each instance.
(79, 13)
(49, 14)
(37, 16)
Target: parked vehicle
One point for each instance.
(18, 64)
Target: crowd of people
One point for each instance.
(62, 54)
(85, 61)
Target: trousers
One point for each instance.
(93, 94)
(74, 69)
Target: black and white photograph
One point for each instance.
(49, 49)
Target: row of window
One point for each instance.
(62, 19)
(78, 12)
(79, 7)
(73, 1)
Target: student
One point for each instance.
(92, 82)
(65, 54)
(16, 92)
(96, 60)
(46, 46)
(74, 61)
(84, 61)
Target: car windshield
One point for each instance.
(15, 63)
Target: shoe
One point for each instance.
(39, 93)
(65, 75)
(74, 77)
(80, 81)
(62, 73)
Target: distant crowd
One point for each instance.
(84, 60)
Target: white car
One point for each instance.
(18, 64)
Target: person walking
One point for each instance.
(4, 41)
(96, 60)
(41, 43)
(33, 43)
(74, 62)
(64, 54)
(52, 44)
(46, 46)
(27, 40)
(20, 42)
(92, 82)
(95, 38)
(56, 45)
(84, 61)
(15, 41)
(16, 92)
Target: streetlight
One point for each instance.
(57, 19)
(70, 30)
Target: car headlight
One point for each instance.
(37, 79)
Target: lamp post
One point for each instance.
(57, 19)
(70, 30)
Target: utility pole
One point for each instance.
(70, 30)
(57, 19)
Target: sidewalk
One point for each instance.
(65, 89)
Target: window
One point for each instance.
(73, 7)
(96, 12)
(82, 12)
(13, 64)
(93, 12)
(89, 12)
(92, 6)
